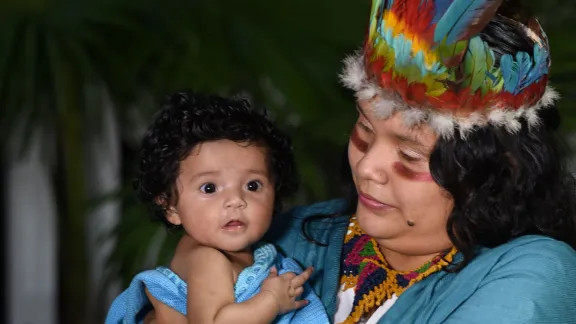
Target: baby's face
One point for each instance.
(225, 195)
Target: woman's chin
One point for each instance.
(381, 225)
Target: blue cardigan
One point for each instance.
(530, 280)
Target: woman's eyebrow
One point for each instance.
(413, 141)
(405, 138)
(408, 139)
(360, 111)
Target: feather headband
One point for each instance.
(426, 59)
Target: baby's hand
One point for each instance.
(286, 288)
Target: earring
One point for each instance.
(410, 223)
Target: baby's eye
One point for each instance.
(253, 185)
(208, 188)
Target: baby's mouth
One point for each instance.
(233, 224)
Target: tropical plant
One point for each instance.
(58, 59)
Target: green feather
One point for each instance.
(489, 83)
(451, 54)
(383, 50)
(475, 64)
(494, 83)
(411, 72)
(489, 57)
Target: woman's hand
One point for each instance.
(162, 314)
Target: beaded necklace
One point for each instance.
(374, 282)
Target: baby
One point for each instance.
(219, 170)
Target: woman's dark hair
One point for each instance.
(504, 185)
(188, 119)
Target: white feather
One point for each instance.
(532, 118)
(368, 91)
(468, 124)
(413, 116)
(513, 126)
(519, 113)
(383, 108)
(549, 97)
(443, 125)
(353, 76)
(497, 117)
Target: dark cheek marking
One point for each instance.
(411, 175)
(361, 145)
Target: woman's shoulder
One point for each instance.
(533, 262)
(531, 279)
(534, 251)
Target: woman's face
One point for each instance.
(390, 169)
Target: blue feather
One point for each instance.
(541, 59)
(460, 16)
(508, 68)
(440, 7)
(419, 62)
(388, 38)
(383, 5)
(491, 76)
(539, 69)
(389, 4)
(523, 68)
(402, 50)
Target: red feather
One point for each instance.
(417, 17)
(416, 93)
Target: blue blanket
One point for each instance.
(168, 288)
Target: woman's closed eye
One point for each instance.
(411, 156)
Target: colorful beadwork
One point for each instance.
(365, 269)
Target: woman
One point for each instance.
(460, 210)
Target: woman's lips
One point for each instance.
(371, 203)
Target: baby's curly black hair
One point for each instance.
(188, 119)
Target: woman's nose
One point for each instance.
(372, 166)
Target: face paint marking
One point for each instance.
(402, 170)
(359, 143)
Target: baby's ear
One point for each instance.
(170, 211)
(173, 217)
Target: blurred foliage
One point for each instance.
(557, 16)
(60, 58)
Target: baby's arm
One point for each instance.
(211, 293)
(162, 314)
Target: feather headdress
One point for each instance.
(426, 59)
